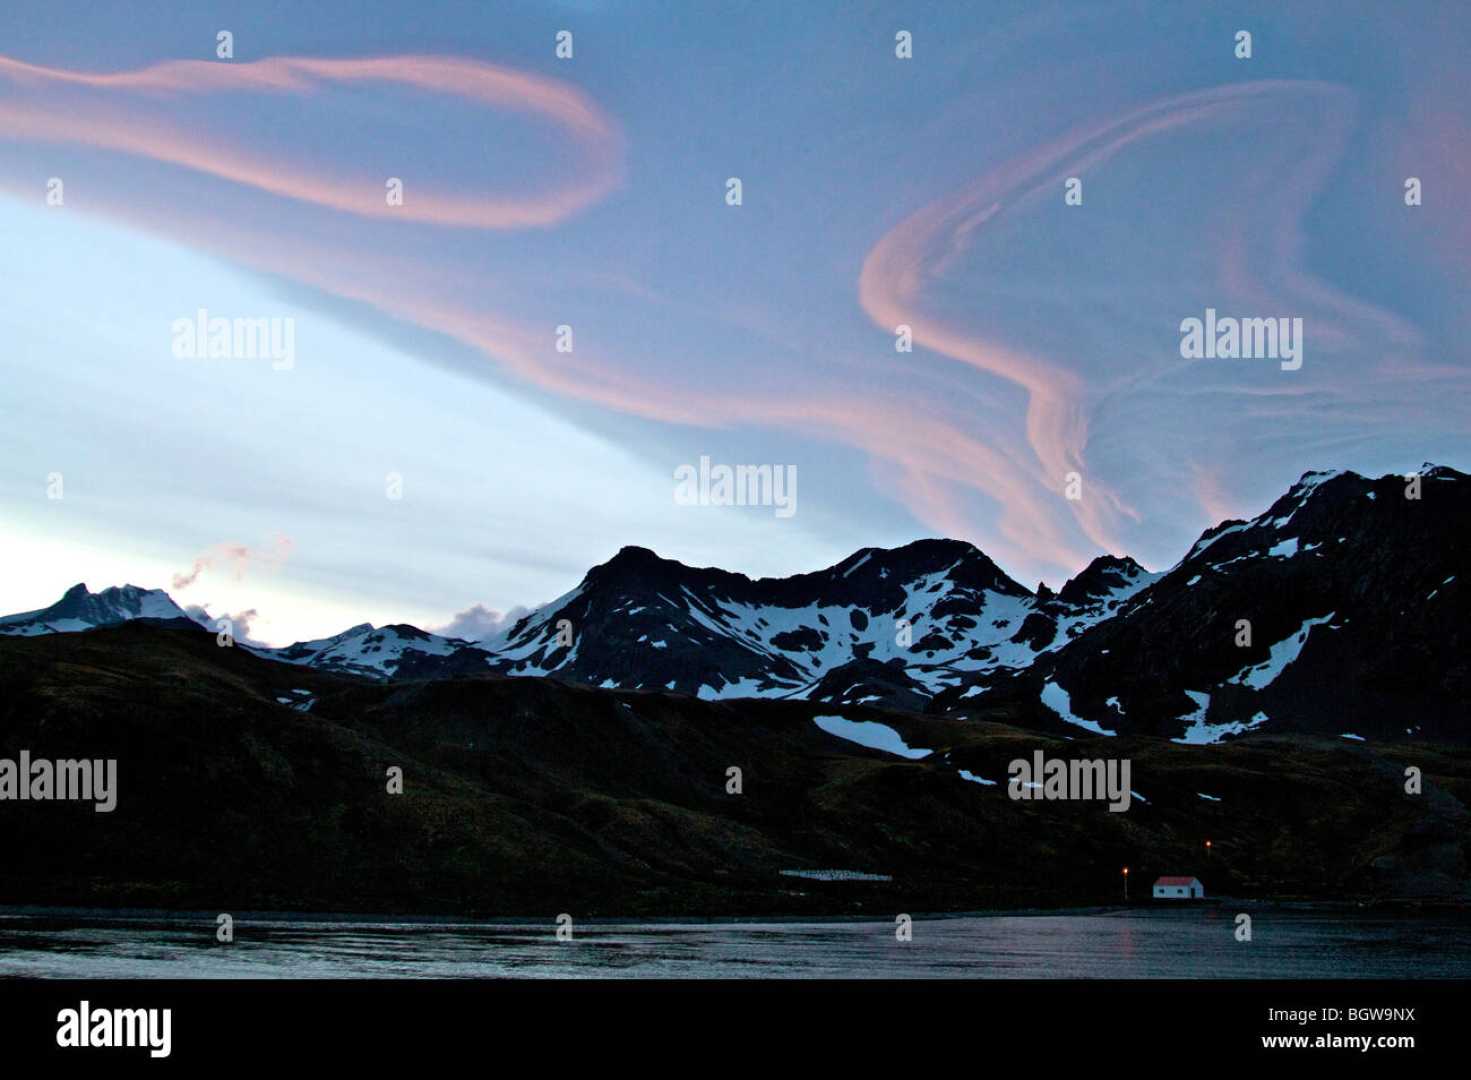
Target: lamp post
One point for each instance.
(1207, 847)
(1126, 884)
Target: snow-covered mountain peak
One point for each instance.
(80, 609)
(1106, 577)
(1337, 567)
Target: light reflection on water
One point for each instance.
(1189, 943)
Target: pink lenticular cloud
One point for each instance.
(936, 463)
(934, 460)
(121, 112)
(1257, 238)
(927, 244)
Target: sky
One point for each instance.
(494, 381)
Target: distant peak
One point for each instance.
(959, 548)
(79, 589)
(405, 630)
(632, 560)
(1314, 478)
(636, 559)
(634, 553)
(1115, 562)
(127, 590)
(1102, 576)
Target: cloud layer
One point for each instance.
(1045, 335)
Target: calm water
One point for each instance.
(1183, 943)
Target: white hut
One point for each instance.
(1179, 888)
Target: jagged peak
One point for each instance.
(1431, 469)
(1126, 563)
(130, 591)
(1100, 577)
(1307, 486)
(1313, 477)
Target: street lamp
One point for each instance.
(1126, 884)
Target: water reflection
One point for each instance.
(1185, 943)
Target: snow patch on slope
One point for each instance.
(868, 733)
(1284, 652)
(1056, 699)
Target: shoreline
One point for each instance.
(165, 917)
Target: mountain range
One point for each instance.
(666, 740)
(246, 784)
(1340, 610)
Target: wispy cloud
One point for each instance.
(479, 623)
(120, 112)
(1044, 336)
(239, 623)
(235, 560)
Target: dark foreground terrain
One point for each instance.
(526, 796)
